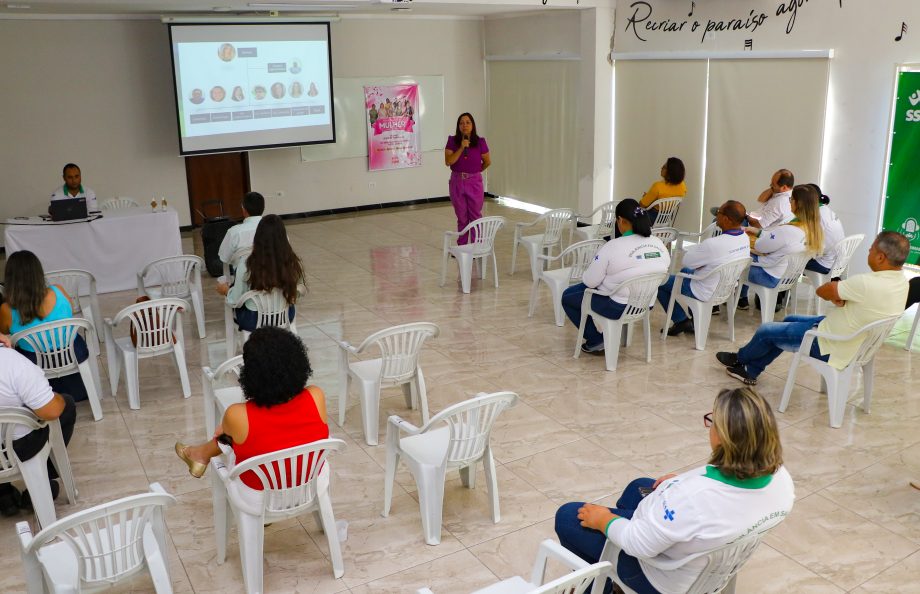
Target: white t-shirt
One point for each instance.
(624, 258)
(776, 211)
(238, 236)
(775, 244)
(698, 511)
(61, 193)
(703, 257)
(22, 383)
(869, 297)
(833, 234)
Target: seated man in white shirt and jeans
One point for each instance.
(240, 236)
(74, 188)
(699, 259)
(775, 200)
(23, 384)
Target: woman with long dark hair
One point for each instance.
(467, 155)
(272, 265)
(635, 253)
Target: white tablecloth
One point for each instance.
(114, 248)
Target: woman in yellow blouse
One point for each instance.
(670, 186)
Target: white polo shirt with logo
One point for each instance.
(715, 251)
(22, 383)
(624, 258)
(62, 193)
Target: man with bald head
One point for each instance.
(699, 259)
(776, 209)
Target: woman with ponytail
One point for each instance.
(833, 234)
(634, 253)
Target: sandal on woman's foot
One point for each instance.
(195, 468)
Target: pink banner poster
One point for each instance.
(392, 128)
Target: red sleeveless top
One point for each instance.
(296, 422)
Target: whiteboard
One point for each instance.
(351, 128)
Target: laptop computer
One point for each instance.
(68, 210)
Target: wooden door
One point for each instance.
(223, 177)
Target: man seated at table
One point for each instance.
(23, 384)
(699, 259)
(861, 300)
(73, 188)
(240, 236)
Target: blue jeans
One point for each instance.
(757, 276)
(664, 296)
(815, 267)
(588, 543)
(72, 383)
(775, 337)
(605, 306)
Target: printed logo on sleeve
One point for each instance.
(668, 513)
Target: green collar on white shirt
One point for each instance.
(752, 483)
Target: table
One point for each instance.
(113, 248)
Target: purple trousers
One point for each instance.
(467, 196)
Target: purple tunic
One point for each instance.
(471, 160)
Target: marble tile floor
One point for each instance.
(578, 433)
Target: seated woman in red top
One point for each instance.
(279, 412)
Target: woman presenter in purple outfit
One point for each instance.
(467, 155)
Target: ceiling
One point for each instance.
(285, 8)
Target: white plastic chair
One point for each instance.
(843, 253)
(98, 547)
(158, 326)
(179, 277)
(482, 232)
(721, 569)
(34, 471)
(604, 227)
(727, 291)
(837, 382)
(295, 481)
(575, 259)
(667, 212)
(53, 343)
(642, 292)
(668, 236)
(73, 281)
(555, 221)
(711, 230)
(795, 265)
(218, 396)
(239, 254)
(271, 310)
(119, 202)
(456, 437)
(398, 365)
(574, 582)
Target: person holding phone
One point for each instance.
(744, 486)
(467, 155)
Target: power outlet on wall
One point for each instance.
(372, 186)
(279, 194)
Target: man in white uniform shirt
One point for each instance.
(775, 199)
(699, 259)
(23, 384)
(240, 236)
(74, 188)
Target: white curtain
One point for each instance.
(660, 113)
(532, 131)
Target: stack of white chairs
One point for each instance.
(34, 471)
(73, 282)
(605, 226)
(55, 354)
(843, 253)
(119, 202)
(157, 326)
(795, 265)
(294, 481)
(456, 437)
(577, 581)
(722, 566)
(838, 382)
(481, 247)
(179, 277)
(398, 365)
(726, 291)
(271, 310)
(574, 259)
(667, 212)
(554, 221)
(99, 547)
(642, 293)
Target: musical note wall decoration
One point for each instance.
(903, 31)
(692, 8)
(749, 44)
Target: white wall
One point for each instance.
(99, 93)
(861, 33)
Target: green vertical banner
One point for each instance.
(902, 190)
